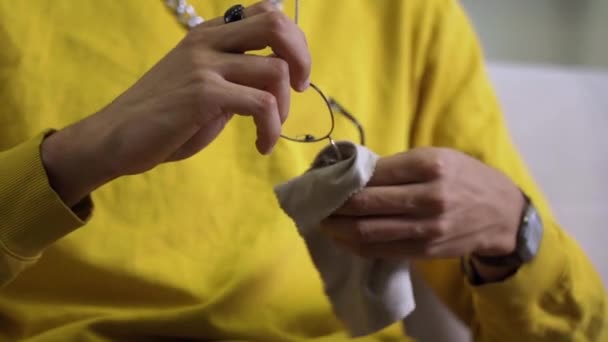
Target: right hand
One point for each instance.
(184, 102)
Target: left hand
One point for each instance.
(430, 203)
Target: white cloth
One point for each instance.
(366, 295)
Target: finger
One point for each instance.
(401, 250)
(390, 250)
(200, 139)
(250, 11)
(383, 229)
(266, 73)
(414, 200)
(275, 30)
(262, 105)
(417, 165)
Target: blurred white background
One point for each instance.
(548, 60)
(571, 32)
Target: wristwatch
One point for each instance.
(529, 236)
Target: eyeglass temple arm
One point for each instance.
(339, 108)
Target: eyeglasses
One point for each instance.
(332, 105)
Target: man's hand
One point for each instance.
(183, 103)
(430, 203)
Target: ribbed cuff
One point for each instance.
(32, 215)
(513, 299)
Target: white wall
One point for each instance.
(542, 31)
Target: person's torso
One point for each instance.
(199, 248)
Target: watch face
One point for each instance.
(531, 234)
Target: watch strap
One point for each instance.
(468, 269)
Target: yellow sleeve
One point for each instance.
(32, 216)
(558, 296)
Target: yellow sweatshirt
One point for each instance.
(200, 249)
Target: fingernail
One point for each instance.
(258, 146)
(263, 151)
(304, 85)
(269, 150)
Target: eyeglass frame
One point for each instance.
(332, 105)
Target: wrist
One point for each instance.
(499, 260)
(73, 165)
(490, 273)
(502, 242)
(499, 266)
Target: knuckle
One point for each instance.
(279, 67)
(267, 6)
(400, 172)
(203, 78)
(417, 231)
(362, 233)
(407, 203)
(198, 59)
(196, 38)
(278, 22)
(430, 251)
(439, 228)
(435, 164)
(360, 202)
(438, 198)
(267, 103)
(202, 68)
(191, 39)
